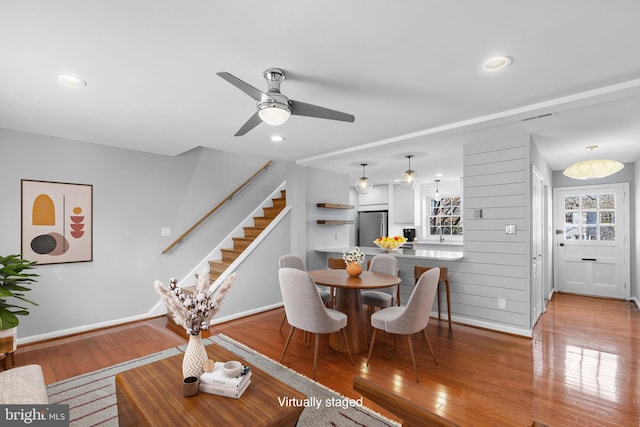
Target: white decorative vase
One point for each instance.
(194, 357)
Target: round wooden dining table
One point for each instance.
(349, 302)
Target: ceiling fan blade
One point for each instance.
(256, 94)
(249, 124)
(303, 109)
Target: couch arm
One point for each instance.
(23, 385)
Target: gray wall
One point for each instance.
(497, 179)
(134, 195)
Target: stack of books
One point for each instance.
(216, 382)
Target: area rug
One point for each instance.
(92, 397)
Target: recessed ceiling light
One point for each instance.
(496, 63)
(71, 80)
(277, 138)
(439, 175)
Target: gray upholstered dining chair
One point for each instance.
(305, 310)
(383, 297)
(411, 318)
(294, 261)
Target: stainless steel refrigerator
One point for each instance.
(371, 225)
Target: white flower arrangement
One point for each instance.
(356, 255)
(194, 311)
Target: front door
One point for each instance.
(592, 240)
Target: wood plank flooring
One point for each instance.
(579, 369)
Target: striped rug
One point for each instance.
(92, 397)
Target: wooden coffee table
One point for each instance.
(151, 395)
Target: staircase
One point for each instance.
(217, 267)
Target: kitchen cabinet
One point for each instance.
(379, 195)
(404, 205)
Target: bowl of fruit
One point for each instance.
(389, 243)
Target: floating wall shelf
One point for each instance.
(335, 221)
(334, 206)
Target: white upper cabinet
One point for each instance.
(379, 195)
(404, 205)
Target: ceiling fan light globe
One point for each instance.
(274, 114)
(363, 186)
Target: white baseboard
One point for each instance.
(635, 300)
(528, 333)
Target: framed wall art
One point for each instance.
(57, 222)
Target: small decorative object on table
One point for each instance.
(390, 243)
(354, 260)
(194, 313)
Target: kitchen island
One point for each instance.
(407, 260)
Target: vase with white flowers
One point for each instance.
(354, 260)
(194, 311)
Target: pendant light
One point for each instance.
(436, 196)
(362, 185)
(409, 178)
(593, 168)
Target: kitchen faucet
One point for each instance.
(441, 236)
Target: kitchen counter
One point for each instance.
(445, 242)
(402, 253)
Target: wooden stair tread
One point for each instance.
(217, 267)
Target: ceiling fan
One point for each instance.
(273, 107)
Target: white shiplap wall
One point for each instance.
(496, 265)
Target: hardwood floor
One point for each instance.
(579, 369)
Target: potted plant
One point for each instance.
(14, 275)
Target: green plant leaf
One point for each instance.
(8, 320)
(26, 300)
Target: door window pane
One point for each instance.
(572, 202)
(607, 217)
(607, 201)
(607, 233)
(589, 202)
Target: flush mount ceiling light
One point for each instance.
(593, 168)
(496, 63)
(363, 186)
(409, 178)
(436, 196)
(71, 80)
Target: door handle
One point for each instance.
(561, 244)
(589, 259)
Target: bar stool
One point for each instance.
(444, 277)
(336, 263)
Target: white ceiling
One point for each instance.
(409, 72)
